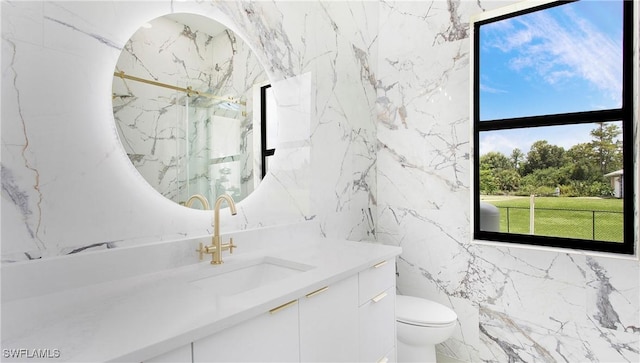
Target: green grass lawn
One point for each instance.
(569, 217)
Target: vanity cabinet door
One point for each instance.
(377, 314)
(329, 323)
(378, 327)
(270, 337)
(180, 355)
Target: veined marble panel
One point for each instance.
(529, 305)
(344, 172)
(386, 159)
(68, 187)
(612, 294)
(506, 337)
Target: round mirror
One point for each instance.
(183, 102)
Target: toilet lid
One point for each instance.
(418, 311)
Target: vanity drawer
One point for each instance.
(377, 335)
(376, 279)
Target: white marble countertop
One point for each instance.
(141, 316)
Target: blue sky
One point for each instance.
(563, 59)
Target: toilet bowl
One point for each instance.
(421, 324)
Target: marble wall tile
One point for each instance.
(505, 337)
(344, 110)
(66, 179)
(546, 299)
(612, 294)
(386, 158)
(513, 304)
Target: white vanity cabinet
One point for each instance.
(329, 323)
(270, 337)
(352, 320)
(204, 313)
(377, 327)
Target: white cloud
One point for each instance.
(485, 88)
(556, 76)
(494, 141)
(559, 50)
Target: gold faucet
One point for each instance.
(201, 198)
(216, 248)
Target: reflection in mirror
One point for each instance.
(268, 126)
(182, 102)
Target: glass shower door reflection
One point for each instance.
(211, 153)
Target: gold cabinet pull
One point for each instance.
(380, 264)
(282, 307)
(379, 297)
(319, 291)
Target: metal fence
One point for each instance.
(582, 224)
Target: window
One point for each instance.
(269, 126)
(553, 125)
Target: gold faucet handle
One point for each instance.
(201, 251)
(231, 245)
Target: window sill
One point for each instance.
(569, 251)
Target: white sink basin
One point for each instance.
(247, 275)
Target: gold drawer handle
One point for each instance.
(383, 360)
(319, 291)
(282, 307)
(380, 264)
(379, 297)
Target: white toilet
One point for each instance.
(421, 324)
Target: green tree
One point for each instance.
(495, 161)
(491, 164)
(508, 180)
(517, 157)
(488, 183)
(543, 156)
(607, 147)
(583, 162)
(544, 181)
